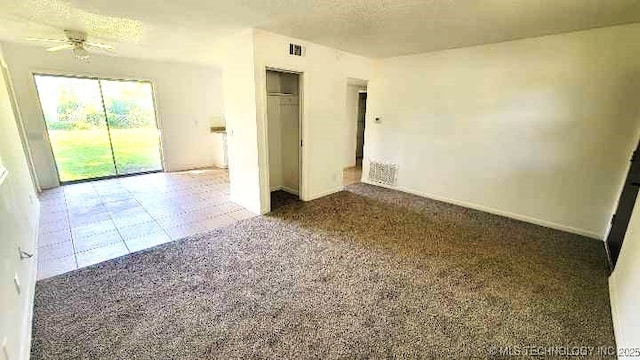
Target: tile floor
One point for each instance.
(352, 175)
(87, 223)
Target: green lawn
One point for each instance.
(86, 154)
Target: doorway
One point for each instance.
(284, 134)
(99, 128)
(356, 112)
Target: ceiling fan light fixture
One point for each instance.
(76, 41)
(80, 52)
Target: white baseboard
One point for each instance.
(613, 301)
(25, 347)
(524, 218)
(324, 193)
(285, 189)
(192, 167)
(290, 190)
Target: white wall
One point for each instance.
(239, 84)
(324, 80)
(290, 135)
(538, 129)
(19, 216)
(188, 99)
(220, 150)
(274, 131)
(624, 287)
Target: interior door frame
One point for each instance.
(623, 209)
(20, 125)
(98, 78)
(362, 93)
(301, 127)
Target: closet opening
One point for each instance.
(284, 136)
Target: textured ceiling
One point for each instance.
(378, 28)
(374, 28)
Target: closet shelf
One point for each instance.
(280, 94)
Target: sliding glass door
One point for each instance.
(132, 124)
(77, 127)
(99, 128)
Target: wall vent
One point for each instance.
(296, 50)
(383, 173)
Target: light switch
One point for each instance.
(16, 282)
(3, 172)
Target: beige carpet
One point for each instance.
(365, 273)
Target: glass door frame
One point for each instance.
(104, 108)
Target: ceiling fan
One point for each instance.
(76, 41)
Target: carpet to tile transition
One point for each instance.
(363, 273)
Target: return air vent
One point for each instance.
(296, 50)
(383, 173)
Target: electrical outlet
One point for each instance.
(16, 282)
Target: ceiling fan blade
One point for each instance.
(98, 45)
(61, 47)
(46, 40)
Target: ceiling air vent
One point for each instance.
(296, 50)
(383, 173)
